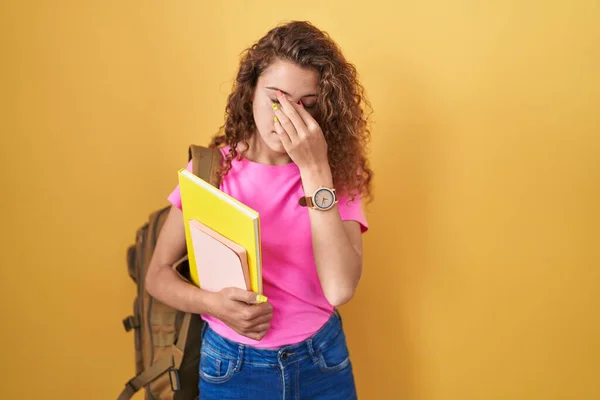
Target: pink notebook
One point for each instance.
(220, 262)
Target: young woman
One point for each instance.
(294, 150)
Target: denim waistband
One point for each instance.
(215, 343)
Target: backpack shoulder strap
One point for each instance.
(206, 163)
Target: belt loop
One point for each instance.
(240, 357)
(311, 350)
(204, 328)
(337, 312)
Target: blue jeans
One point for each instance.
(318, 368)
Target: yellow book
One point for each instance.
(222, 213)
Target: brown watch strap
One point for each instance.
(305, 201)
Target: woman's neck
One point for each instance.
(260, 153)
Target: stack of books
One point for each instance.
(222, 237)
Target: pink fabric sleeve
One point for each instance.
(351, 210)
(175, 196)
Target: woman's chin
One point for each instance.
(276, 145)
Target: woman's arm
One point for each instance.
(337, 244)
(162, 282)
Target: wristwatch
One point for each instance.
(323, 199)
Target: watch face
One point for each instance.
(324, 198)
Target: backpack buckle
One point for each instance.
(174, 379)
(130, 323)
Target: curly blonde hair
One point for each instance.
(339, 107)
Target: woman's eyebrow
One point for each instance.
(287, 94)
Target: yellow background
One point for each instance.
(482, 264)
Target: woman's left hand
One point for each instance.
(300, 134)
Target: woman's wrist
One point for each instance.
(206, 302)
(314, 176)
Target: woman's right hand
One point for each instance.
(242, 311)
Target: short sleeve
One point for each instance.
(175, 197)
(352, 210)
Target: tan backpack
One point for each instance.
(167, 341)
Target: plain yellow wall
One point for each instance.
(482, 266)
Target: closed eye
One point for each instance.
(308, 107)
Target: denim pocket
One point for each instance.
(334, 356)
(215, 368)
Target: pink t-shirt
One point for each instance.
(290, 279)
